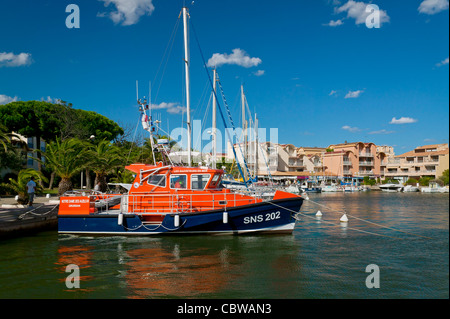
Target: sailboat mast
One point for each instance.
(244, 125)
(188, 97)
(256, 146)
(214, 123)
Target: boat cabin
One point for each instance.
(160, 178)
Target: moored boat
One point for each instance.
(176, 200)
(410, 188)
(329, 188)
(392, 188)
(434, 188)
(170, 199)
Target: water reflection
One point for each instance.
(324, 258)
(187, 267)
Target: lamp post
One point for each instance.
(91, 138)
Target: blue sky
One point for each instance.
(312, 69)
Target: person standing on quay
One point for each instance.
(31, 189)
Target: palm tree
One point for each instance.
(103, 159)
(4, 139)
(66, 158)
(19, 186)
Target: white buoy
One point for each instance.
(225, 218)
(344, 218)
(319, 213)
(47, 196)
(17, 197)
(120, 219)
(176, 221)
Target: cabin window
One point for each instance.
(199, 181)
(215, 181)
(157, 180)
(178, 181)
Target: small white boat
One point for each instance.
(391, 187)
(410, 188)
(434, 188)
(329, 188)
(351, 188)
(294, 189)
(444, 189)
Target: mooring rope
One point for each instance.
(368, 221)
(160, 225)
(333, 224)
(363, 220)
(32, 212)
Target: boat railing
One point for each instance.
(166, 202)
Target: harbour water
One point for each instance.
(407, 239)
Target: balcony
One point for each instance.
(410, 173)
(365, 173)
(363, 154)
(365, 163)
(347, 172)
(347, 163)
(295, 164)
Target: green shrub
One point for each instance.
(412, 181)
(425, 181)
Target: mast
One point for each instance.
(188, 98)
(214, 124)
(256, 147)
(244, 126)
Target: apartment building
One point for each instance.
(20, 141)
(427, 160)
(356, 159)
(346, 160)
(284, 161)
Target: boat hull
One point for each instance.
(313, 189)
(276, 216)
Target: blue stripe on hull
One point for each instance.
(261, 217)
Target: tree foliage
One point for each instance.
(103, 158)
(19, 186)
(445, 177)
(51, 121)
(66, 158)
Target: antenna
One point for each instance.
(137, 92)
(150, 97)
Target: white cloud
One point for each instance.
(357, 11)
(402, 120)
(443, 62)
(333, 23)
(172, 108)
(128, 12)
(351, 129)
(238, 57)
(383, 131)
(259, 72)
(353, 94)
(333, 92)
(433, 6)
(10, 59)
(5, 99)
(51, 100)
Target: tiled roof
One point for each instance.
(414, 153)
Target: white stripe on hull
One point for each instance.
(288, 228)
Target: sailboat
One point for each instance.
(169, 199)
